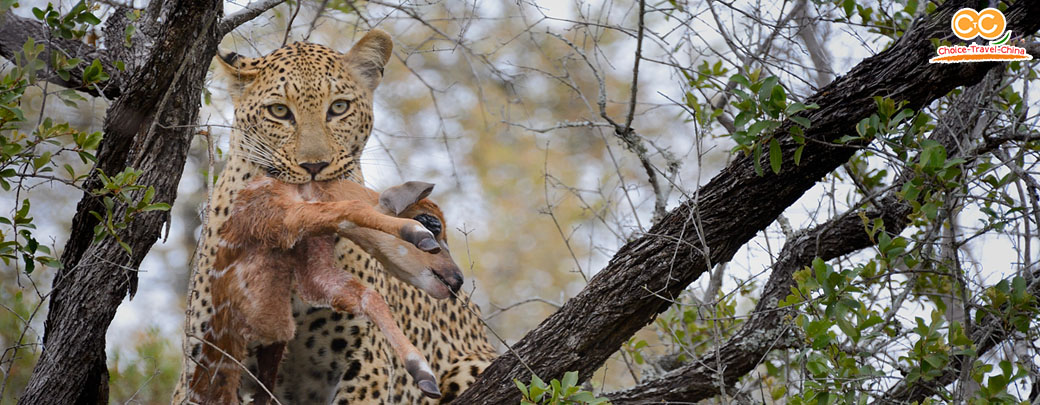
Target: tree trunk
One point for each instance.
(723, 215)
(148, 128)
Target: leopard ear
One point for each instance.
(398, 198)
(368, 57)
(240, 71)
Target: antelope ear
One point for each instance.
(398, 198)
(368, 57)
(240, 71)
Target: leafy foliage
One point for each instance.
(121, 189)
(557, 392)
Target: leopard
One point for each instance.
(304, 112)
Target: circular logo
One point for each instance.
(988, 23)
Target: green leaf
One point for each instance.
(78, 8)
(156, 207)
(16, 112)
(757, 128)
(911, 190)
(537, 382)
(30, 265)
(741, 80)
(795, 108)
(70, 97)
(935, 360)
(128, 34)
(816, 367)
(87, 17)
(42, 160)
(756, 158)
(930, 210)
(743, 118)
(51, 262)
(848, 328)
(92, 71)
(92, 141)
(911, 7)
(933, 155)
(23, 211)
(570, 378)
(774, 155)
(1018, 289)
(520, 386)
(902, 115)
(804, 122)
(778, 97)
(766, 91)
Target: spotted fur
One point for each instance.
(335, 357)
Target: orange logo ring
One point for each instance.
(988, 24)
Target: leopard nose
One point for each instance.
(314, 168)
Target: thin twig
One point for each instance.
(292, 18)
(250, 12)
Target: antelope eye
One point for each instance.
(280, 111)
(338, 107)
(430, 222)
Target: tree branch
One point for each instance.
(248, 13)
(835, 238)
(15, 30)
(639, 281)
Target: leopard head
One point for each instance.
(304, 111)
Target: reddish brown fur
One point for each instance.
(280, 238)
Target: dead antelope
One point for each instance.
(280, 238)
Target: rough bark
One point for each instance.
(727, 212)
(767, 328)
(148, 128)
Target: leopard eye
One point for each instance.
(280, 111)
(338, 107)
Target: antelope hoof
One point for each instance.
(429, 388)
(421, 238)
(429, 245)
(420, 371)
